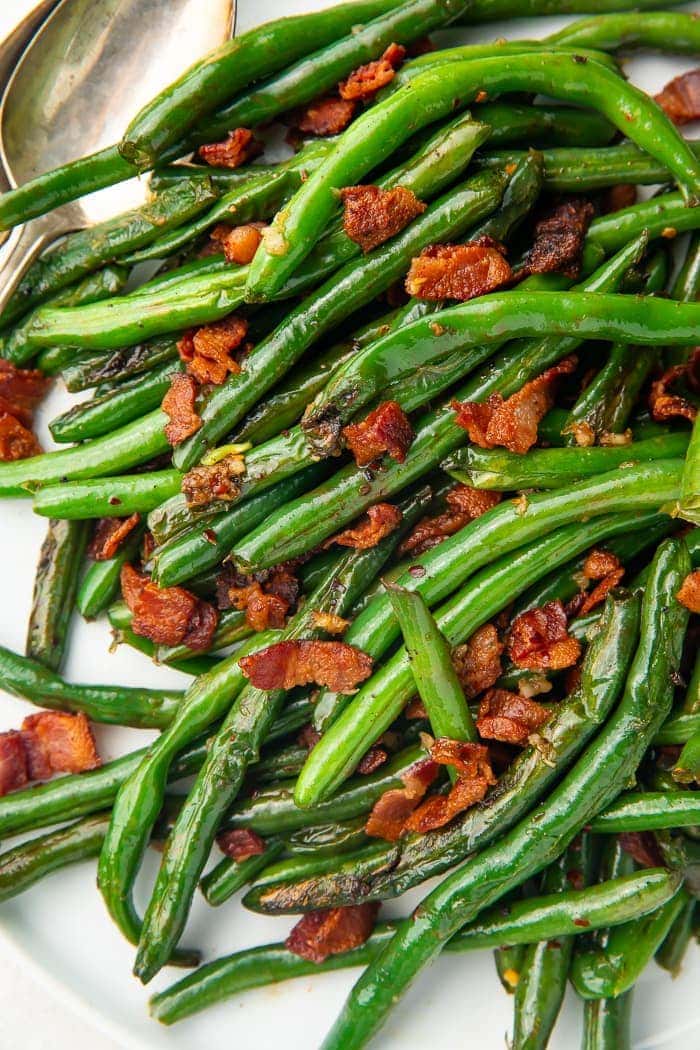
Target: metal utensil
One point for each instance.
(85, 74)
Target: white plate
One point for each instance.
(60, 928)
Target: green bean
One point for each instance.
(140, 797)
(594, 781)
(431, 95)
(668, 31)
(24, 865)
(606, 1023)
(508, 960)
(231, 628)
(430, 659)
(55, 586)
(15, 345)
(218, 783)
(231, 68)
(606, 403)
(537, 918)
(230, 876)
(672, 951)
(101, 583)
(489, 10)
(541, 126)
(126, 447)
(664, 216)
(107, 497)
(689, 503)
(550, 468)
(328, 839)
(687, 768)
(93, 369)
(222, 179)
(87, 249)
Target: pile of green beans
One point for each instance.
(489, 137)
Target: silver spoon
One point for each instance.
(86, 73)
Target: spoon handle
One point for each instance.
(22, 247)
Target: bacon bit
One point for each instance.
(474, 777)
(240, 844)
(326, 116)
(478, 661)
(392, 809)
(689, 594)
(385, 429)
(372, 760)
(329, 622)
(606, 439)
(464, 505)
(415, 709)
(509, 717)
(601, 591)
(236, 149)
(618, 197)
(540, 641)
(330, 931)
(21, 390)
(308, 736)
(58, 742)
(373, 215)
(109, 535)
(266, 597)
(238, 243)
(512, 423)
(583, 433)
(558, 240)
(285, 665)
(380, 521)
(167, 615)
(458, 271)
(218, 481)
(364, 82)
(13, 762)
(665, 405)
(207, 351)
(600, 563)
(179, 407)
(16, 441)
(680, 98)
(643, 847)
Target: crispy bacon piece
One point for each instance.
(16, 441)
(239, 147)
(330, 931)
(373, 215)
(58, 742)
(512, 423)
(618, 197)
(285, 665)
(379, 521)
(643, 847)
(218, 481)
(666, 405)
(167, 615)
(603, 566)
(372, 760)
(464, 505)
(415, 709)
(680, 98)
(474, 777)
(558, 240)
(329, 622)
(601, 591)
(385, 429)
(458, 271)
(539, 639)
(600, 563)
(391, 811)
(689, 594)
(109, 535)
(266, 597)
(21, 390)
(509, 717)
(478, 661)
(240, 844)
(179, 406)
(238, 243)
(325, 116)
(364, 82)
(207, 350)
(13, 762)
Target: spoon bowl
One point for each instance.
(83, 77)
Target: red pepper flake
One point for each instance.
(238, 148)
(240, 844)
(207, 350)
(464, 504)
(330, 931)
(666, 405)
(478, 661)
(364, 82)
(379, 522)
(167, 615)
(391, 811)
(179, 406)
(539, 639)
(238, 243)
(458, 271)
(512, 423)
(509, 717)
(558, 240)
(285, 665)
(689, 594)
(385, 429)
(217, 481)
(474, 777)
(680, 98)
(109, 535)
(373, 215)
(583, 923)
(325, 116)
